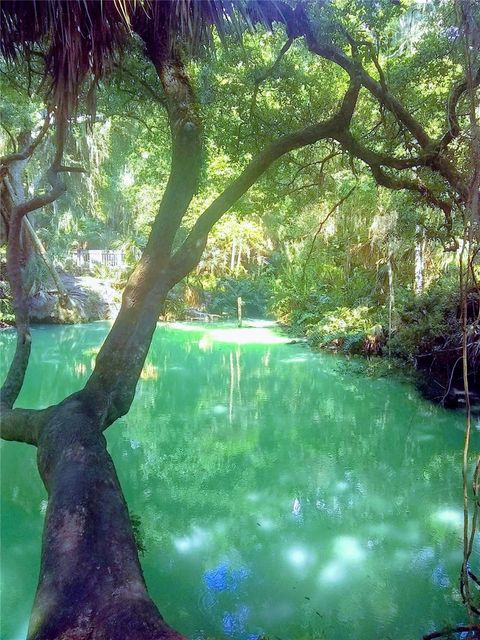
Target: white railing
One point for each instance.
(88, 257)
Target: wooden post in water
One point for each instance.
(239, 311)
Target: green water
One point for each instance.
(279, 493)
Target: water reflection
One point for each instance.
(280, 494)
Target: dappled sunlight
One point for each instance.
(267, 524)
(296, 359)
(348, 550)
(219, 410)
(197, 539)
(348, 556)
(22, 632)
(332, 573)
(247, 335)
(205, 343)
(451, 517)
(80, 369)
(300, 557)
(149, 372)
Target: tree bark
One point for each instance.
(91, 583)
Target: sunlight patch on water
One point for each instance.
(247, 336)
(149, 372)
(453, 517)
(267, 524)
(348, 550)
(333, 572)
(349, 553)
(255, 332)
(205, 343)
(296, 359)
(298, 556)
(197, 539)
(22, 634)
(219, 410)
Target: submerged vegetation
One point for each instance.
(315, 162)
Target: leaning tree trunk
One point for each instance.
(91, 583)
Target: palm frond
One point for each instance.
(77, 37)
(80, 38)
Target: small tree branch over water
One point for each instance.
(469, 582)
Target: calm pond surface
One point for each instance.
(279, 493)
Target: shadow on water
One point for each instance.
(279, 494)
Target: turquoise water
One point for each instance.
(278, 492)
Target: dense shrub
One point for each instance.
(424, 321)
(348, 330)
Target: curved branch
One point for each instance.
(18, 366)
(52, 174)
(348, 142)
(377, 161)
(457, 92)
(381, 92)
(28, 150)
(447, 633)
(185, 128)
(187, 255)
(336, 55)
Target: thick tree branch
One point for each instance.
(18, 366)
(376, 162)
(28, 151)
(457, 92)
(57, 185)
(120, 361)
(348, 142)
(336, 55)
(381, 92)
(191, 249)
